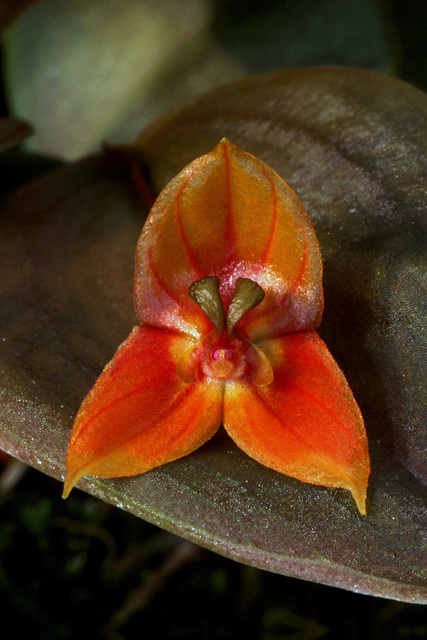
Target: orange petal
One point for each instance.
(228, 214)
(306, 423)
(140, 414)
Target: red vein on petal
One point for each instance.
(273, 229)
(180, 397)
(297, 436)
(288, 295)
(323, 407)
(229, 231)
(160, 282)
(178, 217)
(315, 400)
(270, 410)
(196, 410)
(177, 435)
(301, 272)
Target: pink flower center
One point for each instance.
(222, 354)
(224, 362)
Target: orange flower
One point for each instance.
(228, 288)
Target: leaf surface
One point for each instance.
(352, 145)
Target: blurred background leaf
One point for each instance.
(84, 71)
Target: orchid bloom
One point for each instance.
(228, 289)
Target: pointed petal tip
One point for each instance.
(359, 496)
(70, 481)
(225, 142)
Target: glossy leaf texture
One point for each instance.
(352, 145)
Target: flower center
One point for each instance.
(223, 354)
(224, 363)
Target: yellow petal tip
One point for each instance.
(70, 481)
(360, 499)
